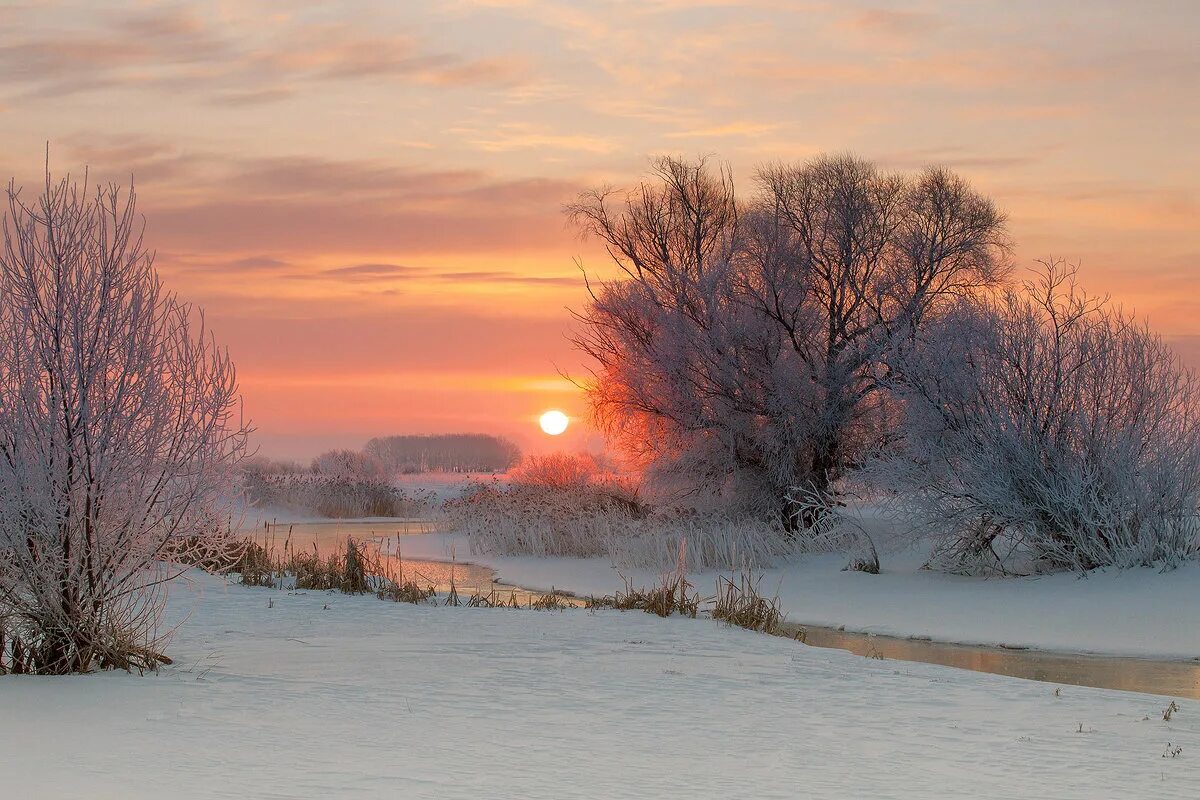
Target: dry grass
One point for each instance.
(739, 603)
(674, 594)
(349, 571)
(549, 602)
(406, 592)
(494, 599)
(255, 566)
(489, 600)
(736, 602)
(356, 568)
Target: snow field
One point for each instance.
(300, 700)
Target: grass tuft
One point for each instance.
(739, 603)
(549, 602)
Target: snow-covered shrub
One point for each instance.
(1047, 430)
(556, 471)
(119, 430)
(830, 527)
(715, 540)
(606, 517)
(334, 497)
(349, 465)
(524, 519)
(264, 465)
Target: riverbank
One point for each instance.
(317, 694)
(1140, 612)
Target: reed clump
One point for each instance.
(674, 594)
(351, 570)
(355, 568)
(406, 592)
(549, 602)
(738, 602)
(255, 566)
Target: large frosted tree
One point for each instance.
(745, 348)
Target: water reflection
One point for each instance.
(1174, 678)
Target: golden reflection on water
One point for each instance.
(1174, 678)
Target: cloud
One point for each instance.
(371, 271)
(961, 157)
(894, 26)
(340, 52)
(388, 273)
(502, 277)
(254, 97)
(172, 49)
(390, 222)
(198, 201)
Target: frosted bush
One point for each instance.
(606, 519)
(1048, 431)
(334, 497)
(350, 465)
(119, 432)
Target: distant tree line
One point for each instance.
(451, 452)
(385, 457)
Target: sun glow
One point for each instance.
(554, 422)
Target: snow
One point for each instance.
(372, 698)
(1136, 612)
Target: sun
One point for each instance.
(554, 422)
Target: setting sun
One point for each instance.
(554, 422)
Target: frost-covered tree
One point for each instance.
(864, 258)
(744, 347)
(1048, 430)
(119, 426)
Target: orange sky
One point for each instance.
(365, 196)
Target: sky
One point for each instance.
(365, 197)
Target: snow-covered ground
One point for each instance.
(1140, 612)
(321, 695)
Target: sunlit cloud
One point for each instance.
(893, 26)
